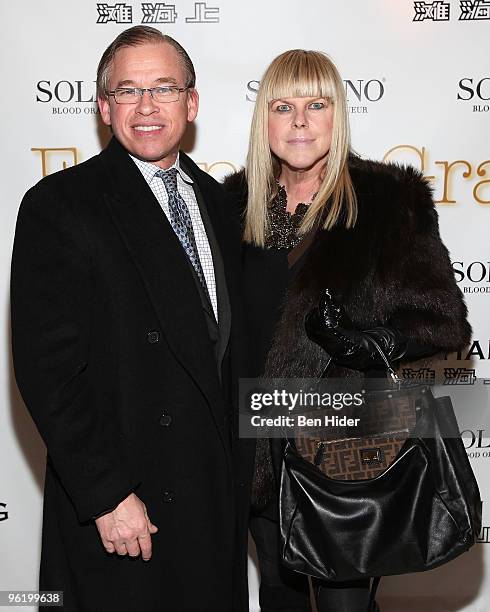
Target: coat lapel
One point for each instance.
(166, 274)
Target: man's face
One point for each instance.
(149, 130)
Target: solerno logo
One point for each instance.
(473, 276)
(359, 92)
(474, 438)
(478, 350)
(67, 97)
(3, 512)
(476, 91)
(476, 443)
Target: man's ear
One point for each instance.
(192, 104)
(105, 109)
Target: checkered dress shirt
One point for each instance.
(184, 186)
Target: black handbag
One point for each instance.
(420, 512)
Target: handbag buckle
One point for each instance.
(370, 456)
(394, 377)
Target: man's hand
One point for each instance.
(127, 529)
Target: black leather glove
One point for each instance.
(328, 326)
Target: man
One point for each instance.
(126, 336)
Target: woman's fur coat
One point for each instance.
(390, 269)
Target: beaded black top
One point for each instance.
(283, 225)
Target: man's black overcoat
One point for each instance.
(114, 360)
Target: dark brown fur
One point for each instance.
(390, 269)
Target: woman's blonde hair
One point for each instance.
(299, 73)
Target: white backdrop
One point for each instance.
(418, 81)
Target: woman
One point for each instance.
(318, 217)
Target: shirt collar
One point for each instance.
(148, 170)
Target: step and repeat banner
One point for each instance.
(417, 78)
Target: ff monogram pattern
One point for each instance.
(385, 424)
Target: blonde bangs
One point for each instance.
(300, 74)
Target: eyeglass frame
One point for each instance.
(150, 90)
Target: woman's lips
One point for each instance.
(300, 141)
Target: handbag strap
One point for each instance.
(326, 368)
(390, 372)
(389, 368)
(372, 605)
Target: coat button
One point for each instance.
(165, 420)
(168, 497)
(152, 337)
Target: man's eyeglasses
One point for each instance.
(132, 95)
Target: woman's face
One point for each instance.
(300, 132)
